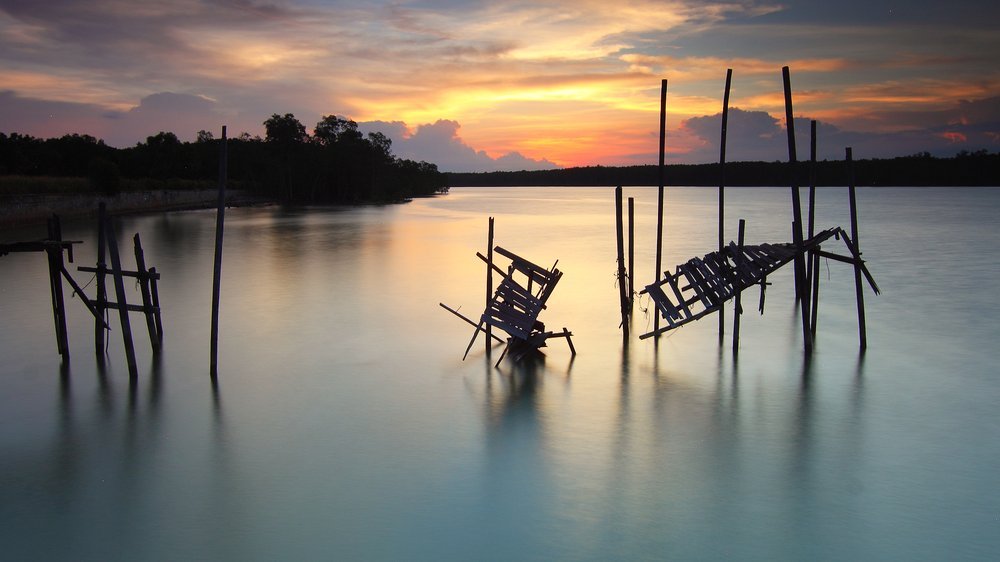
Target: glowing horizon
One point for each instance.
(547, 83)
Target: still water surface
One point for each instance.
(346, 425)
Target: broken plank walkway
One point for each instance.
(702, 285)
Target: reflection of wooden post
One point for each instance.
(631, 253)
(122, 304)
(220, 221)
(659, 198)
(801, 288)
(737, 302)
(722, 188)
(100, 303)
(859, 289)
(622, 283)
(489, 287)
(54, 253)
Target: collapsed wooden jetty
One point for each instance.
(147, 279)
(514, 306)
(702, 285)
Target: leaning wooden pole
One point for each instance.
(220, 220)
(801, 288)
(147, 298)
(122, 304)
(859, 289)
(622, 282)
(722, 187)
(659, 198)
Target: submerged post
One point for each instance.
(659, 198)
(737, 300)
(622, 283)
(722, 188)
(147, 297)
(220, 220)
(56, 266)
(489, 287)
(859, 289)
(631, 254)
(100, 303)
(801, 288)
(812, 263)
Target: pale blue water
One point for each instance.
(346, 425)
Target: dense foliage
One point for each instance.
(337, 164)
(966, 168)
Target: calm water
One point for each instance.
(346, 425)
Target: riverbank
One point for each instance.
(21, 210)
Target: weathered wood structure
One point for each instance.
(515, 305)
(147, 279)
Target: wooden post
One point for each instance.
(631, 254)
(801, 288)
(101, 301)
(659, 199)
(815, 291)
(156, 303)
(56, 266)
(622, 283)
(738, 299)
(220, 220)
(122, 304)
(811, 221)
(812, 178)
(147, 299)
(722, 188)
(859, 289)
(489, 287)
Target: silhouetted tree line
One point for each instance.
(336, 164)
(980, 168)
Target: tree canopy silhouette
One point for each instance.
(337, 164)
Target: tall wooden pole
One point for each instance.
(722, 188)
(100, 303)
(489, 287)
(631, 254)
(220, 220)
(801, 288)
(859, 289)
(622, 283)
(812, 263)
(659, 199)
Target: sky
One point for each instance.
(509, 85)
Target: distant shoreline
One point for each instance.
(26, 209)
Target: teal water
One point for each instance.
(346, 426)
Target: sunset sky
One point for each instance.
(483, 85)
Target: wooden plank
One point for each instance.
(467, 320)
(133, 274)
